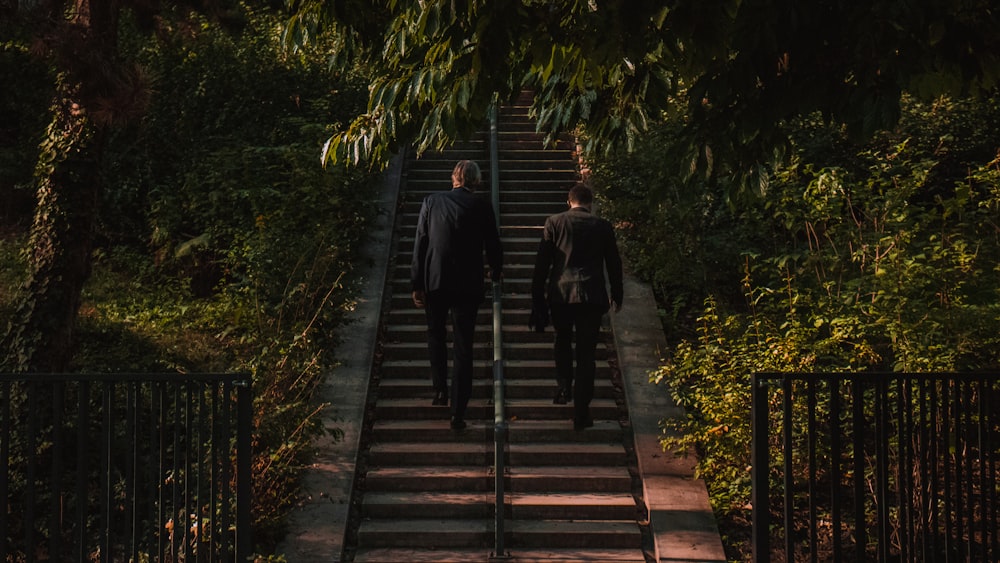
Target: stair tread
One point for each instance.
(591, 471)
(428, 497)
(527, 555)
(420, 402)
(571, 499)
(561, 473)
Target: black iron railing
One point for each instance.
(876, 467)
(125, 467)
(500, 426)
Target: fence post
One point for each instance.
(760, 462)
(244, 489)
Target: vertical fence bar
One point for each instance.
(788, 470)
(5, 437)
(835, 473)
(82, 470)
(56, 474)
(244, 469)
(813, 489)
(184, 516)
(226, 499)
(883, 451)
(947, 429)
(214, 471)
(906, 494)
(163, 471)
(759, 469)
(30, 448)
(132, 460)
(106, 449)
(993, 445)
(988, 431)
(858, 430)
(200, 483)
(933, 442)
(963, 473)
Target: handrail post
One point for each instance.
(759, 466)
(499, 416)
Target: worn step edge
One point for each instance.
(566, 555)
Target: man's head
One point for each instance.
(580, 196)
(466, 174)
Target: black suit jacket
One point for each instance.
(575, 250)
(453, 229)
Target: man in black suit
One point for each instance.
(453, 230)
(575, 250)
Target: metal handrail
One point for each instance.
(499, 414)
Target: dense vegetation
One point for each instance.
(874, 256)
(222, 245)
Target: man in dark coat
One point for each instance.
(575, 251)
(447, 273)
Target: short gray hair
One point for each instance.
(466, 173)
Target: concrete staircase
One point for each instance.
(425, 492)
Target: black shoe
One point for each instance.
(457, 423)
(562, 396)
(581, 423)
(440, 399)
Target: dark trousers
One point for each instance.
(462, 309)
(584, 321)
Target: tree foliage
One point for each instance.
(738, 70)
(220, 244)
(874, 256)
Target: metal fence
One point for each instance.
(876, 467)
(132, 468)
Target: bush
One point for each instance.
(879, 256)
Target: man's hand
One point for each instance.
(615, 306)
(419, 297)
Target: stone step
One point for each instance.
(481, 430)
(403, 299)
(482, 388)
(513, 239)
(483, 350)
(438, 478)
(418, 453)
(538, 409)
(572, 506)
(484, 333)
(511, 155)
(570, 479)
(509, 210)
(518, 220)
(559, 431)
(536, 195)
(426, 533)
(520, 555)
(599, 534)
(523, 141)
(437, 533)
(521, 454)
(413, 315)
(481, 505)
(608, 454)
(526, 171)
(513, 369)
(429, 504)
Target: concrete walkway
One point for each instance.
(680, 517)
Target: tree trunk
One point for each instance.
(41, 335)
